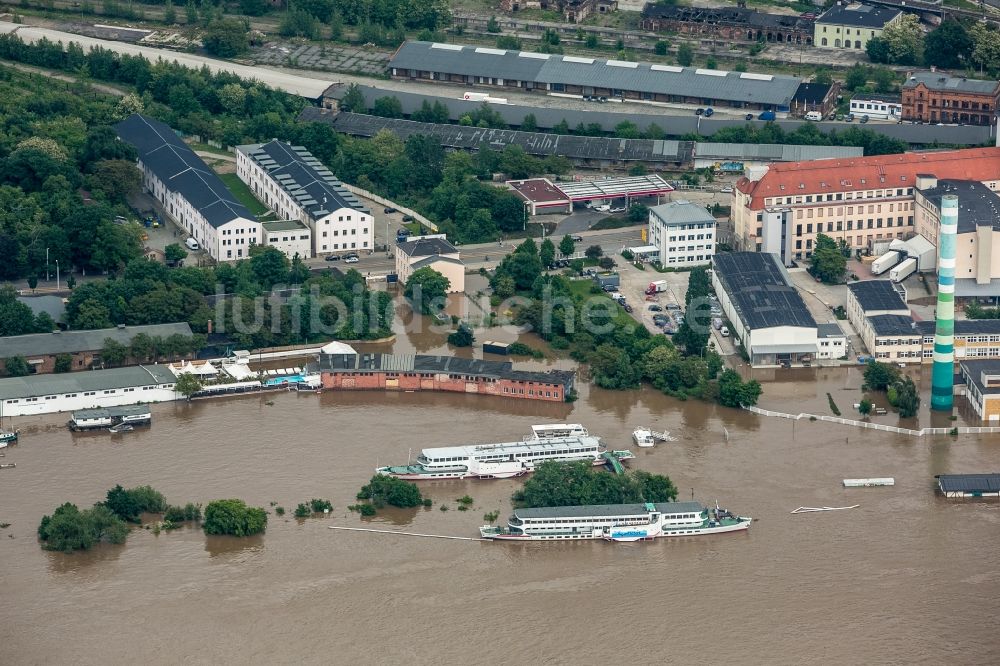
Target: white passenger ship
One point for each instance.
(616, 522)
(562, 442)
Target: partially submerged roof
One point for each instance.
(181, 170)
(543, 68)
(987, 483)
(760, 289)
(33, 386)
(72, 342)
(877, 296)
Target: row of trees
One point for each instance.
(954, 44)
(16, 318)
(578, 483)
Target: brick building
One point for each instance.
(934, 97)
(405, 372)
(860, 200)
(574, 11)
(40, 350)
(737, 24)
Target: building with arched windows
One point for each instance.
(849, 26)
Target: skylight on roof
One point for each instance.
(666, 68)
(576, 59)
(537, 56)
(622, 63)
(756, 77)
(711, 72)
(483, 49)
(447, 47)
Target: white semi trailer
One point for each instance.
(885, 262)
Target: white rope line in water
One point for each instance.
(427, 536)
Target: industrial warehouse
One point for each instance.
(573, 75)
(592, 152)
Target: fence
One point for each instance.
(972, 430)
(385, 202)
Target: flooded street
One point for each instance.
(907, 577)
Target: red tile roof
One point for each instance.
(867, 173)
(538, 190)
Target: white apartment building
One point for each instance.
(296, 186)
(290, 236)
(190, 192)
(860, 201)
(683, 232)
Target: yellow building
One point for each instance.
(434, 252)
(850, 26)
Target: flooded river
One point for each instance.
(906, 578)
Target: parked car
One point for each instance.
(864, 119)
(655, 308)
(660, 320)
(627, 307)
(699, 112)
(351, 255)
(726, 190)
(608, 288)
(388, 209)
(332, 257)
(408, 218)
(604, 208)
(709, 112)
(724, 332)
(749, 116)
(617, 209)
(577, 239)
(603, 98)
(673, 306)
(351, 260)
(767, 115)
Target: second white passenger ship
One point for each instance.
(561, 442)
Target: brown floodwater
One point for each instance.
(908, 577)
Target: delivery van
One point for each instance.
(814, 116)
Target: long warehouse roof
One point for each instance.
(759, 287)
(613, 74)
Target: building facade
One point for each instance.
(859, 201)
(296, 186)
(683, 232)
(292, 237)
(41, 350)
(982, 387)
(934, 97)
(433, 252)
(849, 26)
(734, 24)
(191, 194)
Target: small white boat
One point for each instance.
(643, 437)
(121, 427)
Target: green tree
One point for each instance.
(579, 483)
(427, 290)
(823, 77)
(233, 517)
(566, 245)
(907, 399)
(905, 39)
(591, 42)
(711, 63)
(169, 13)
(828, 262)
(298, 23)
(547, 252)
(948, 45)
(462, 337)
(493, 25)
(593, 252)
(387, 107)
(269, 265)
(130, 504)
(856, 77)
(884, 78)
(115, 179)
(69, 529)
(187, 385)
(865, 407)
(685, 55)
(190, 13)
(660, 48)
(64, 363)
(734, 392)
(113, 353)
(877, 49)
(33, 282)
(16, 318)
(354, 100)
(986, 49)
(381, 490)
(226, 38)
(627, 130)
(523, 266)
(638, 212)
(529, 124)
(174, 253)
(254, 7)
(880, 376)
(16, 366)
(611, 368)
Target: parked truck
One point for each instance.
(657, 287)
(885, 262)
(903, 270)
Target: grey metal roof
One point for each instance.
(969, 482)
(607, 510)
(829, 330)
(673, 125)
(613, 74)
(760, 289)
(181, 170)
(72, 342)
(978, 205)
(424, 247)
(682, 212)
(945, 83)
(55, 306)
(303, 177)
(877, 295)
(433, 259)
(117, 410)
(437, 364)
(857, 15)
(32, 386)
(894, 324)
(773, 152)
(963, 327)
